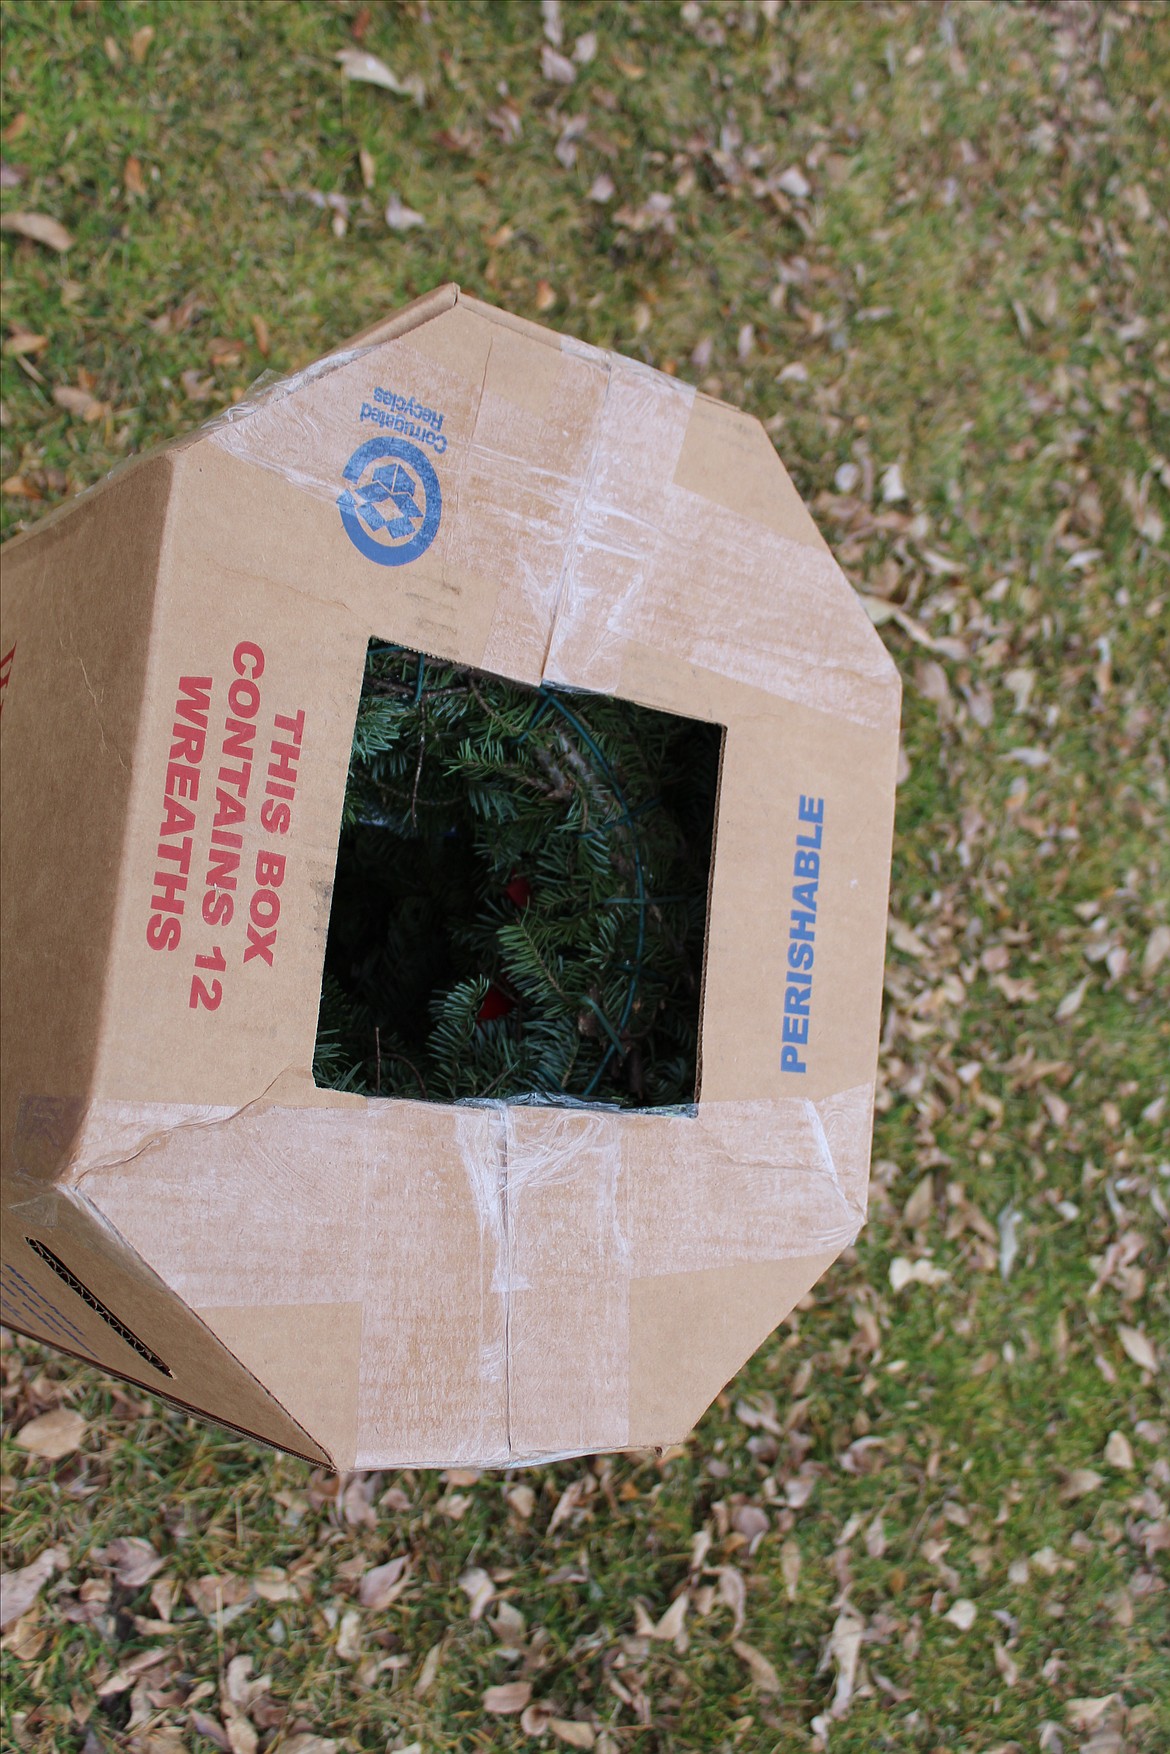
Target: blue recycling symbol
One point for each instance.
(392, 504)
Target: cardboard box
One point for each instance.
(381, 1283)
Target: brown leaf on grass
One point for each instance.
(508, 1697)
(399, 217)
(212, 1729)
(220, 1597)
(304, 1742)
(385, 1583)
(132, 179)
(53, 1435)
(79, 402)
(11, 175)
(506, 122)
(790, 1568)
(20, 1589)
(1156, 951)
(40, 227)
(140, 44)
(1080, 1483)
(273, 1584)
(572, 1733)
(349, 1636)
(366, 166)
(241, 1688)
(224, 351)
(522, 1500)
(1137, 1347)
(360, 65)
(763, 1675)
(430, 1668)
(1006, 1664)
(844, 1649)
(733, 1594)
(196, 387)
(546, 298)
(24, 342)
(556, 67)
(1119, 1451)
(479, 1590)
(134, 1561)
(260, 330)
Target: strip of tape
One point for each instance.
(493, 1246)
(573, 509)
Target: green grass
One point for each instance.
(975, 291)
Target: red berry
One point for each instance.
(518, 890)
(496, 1003)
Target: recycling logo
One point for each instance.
(392, 502)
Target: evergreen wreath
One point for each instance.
(520, 900)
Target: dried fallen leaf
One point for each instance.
(961, 1614)
(733, 1594)
(546, 298)
(1086, 1714)
(1072, 1001)
(508, 1697)
(601, 189)
(522, 1500)
(196, 387)
(1081, 1482)
(349, 1636)
(385, 1583)
(53, 1435)
(920, 1205)
(132, 179)
(671, 1623)
(479, 1590)
(794, 182)
(844, 1648)
(40, 227)
(359, 64)
(399, 217)
(78, 402)
(24, 342)
(1009, 1244)
(1137, 1347)
(366, 166)
(904, 1272)
(430, 1668)
(574, 1734)
(790, 1568)
(134, 1561)
(762, 1673)
(140, 44)
(260, 330)
(1006, 1664)
(306, 1743)
(19, 1589)
(1156, 951)
(555, 66)
(1119, 1451)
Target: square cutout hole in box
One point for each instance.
(520, 901)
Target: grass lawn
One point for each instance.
(929, 246)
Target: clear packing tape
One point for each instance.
(509, 1260)
(587, 504)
